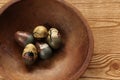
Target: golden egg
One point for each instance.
(40, 32)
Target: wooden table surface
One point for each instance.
(103, 17)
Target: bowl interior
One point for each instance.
(27, 14)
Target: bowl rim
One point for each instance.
(85, 22)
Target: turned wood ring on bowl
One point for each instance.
(69, 63)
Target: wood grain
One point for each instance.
(103, 17)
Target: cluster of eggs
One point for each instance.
(40, 43)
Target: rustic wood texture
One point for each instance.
(103, 17)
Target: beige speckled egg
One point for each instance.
(40, 32)
(30, 54)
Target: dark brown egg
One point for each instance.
(23, 38)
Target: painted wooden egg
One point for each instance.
(30, 54)
(40, 32)
(54, 38)
(44, 50)
(23, 38)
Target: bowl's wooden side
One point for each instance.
(7, 4)
(68, 63)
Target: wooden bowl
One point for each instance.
(68, 63)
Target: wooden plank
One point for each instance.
(103, 17)
(93, 1)
(108, 10)
(3, 1)
(1, 5)
(106, 35)
(92, 78)
(104, 66)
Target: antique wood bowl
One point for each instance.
(68, 63)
